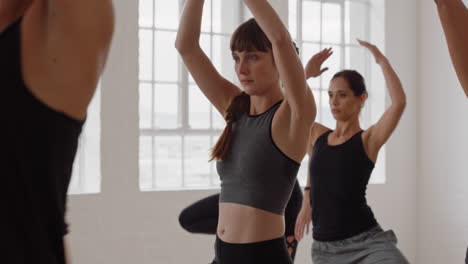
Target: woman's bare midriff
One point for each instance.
(240, 224)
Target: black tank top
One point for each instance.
(38, 146)
(339, 177)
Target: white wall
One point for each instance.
(443, 140)
(123, 225)
(395, 202)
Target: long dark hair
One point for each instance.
(247, 37)
(237, 107)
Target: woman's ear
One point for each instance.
(364, 97)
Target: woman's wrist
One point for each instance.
(383, 62)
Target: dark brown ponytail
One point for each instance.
(237, 107)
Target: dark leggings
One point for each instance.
(202, 216)
(271, 252)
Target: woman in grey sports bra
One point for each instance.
(266, 136)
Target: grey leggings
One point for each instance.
(466, 259)
(373, 246)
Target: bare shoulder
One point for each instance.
(65, 44)
(316, 131)
(366, 134)
(85, 20)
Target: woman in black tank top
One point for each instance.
(341, 162)
(453, 15)
(38, 138)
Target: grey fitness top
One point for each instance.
(255, 171)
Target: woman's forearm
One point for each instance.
(393, 83)
(269, 21)
(297, 94)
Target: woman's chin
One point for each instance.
(249, 90)
(256, 91)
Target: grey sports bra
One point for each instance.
(255, 171)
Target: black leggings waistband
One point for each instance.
(271, 251)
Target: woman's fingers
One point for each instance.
(327, 56)
(366, 44)
(303, 223)
(299, 232)
(363, 43)
(373, 49)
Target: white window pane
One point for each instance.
(145, 104)
(247, 14)
(218, 120)
(146, 13)
(175, 161)
(168, 155)
(302, 174)
(167, 14)
(331, 23)
(378, 174)
(356, 25)
(311, 20)
(292, 17)
(86, 176)
(334, 65)
(145, 54)
(166, 58)
(206, 17)
(92, 145)
(308, 51)
(197, 167)
(166, 106)
(224, 19)
(356, 59)
(216, 179)
(205, 44)
(75, 182)
(218, 24)
(199, 108)
(222, 57)
(146, 163)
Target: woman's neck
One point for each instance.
(347, 128)
(261, 103)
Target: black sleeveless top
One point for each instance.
(38, 147)
(339, 176)
(255, 171)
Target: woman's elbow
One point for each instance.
(183, 48)
(280, 39)
(180, 47)
(400, 103)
